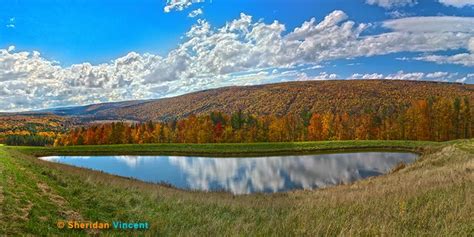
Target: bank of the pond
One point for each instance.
(235, 149)
(432, 196)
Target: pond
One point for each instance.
(245, 175)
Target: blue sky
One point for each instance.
(61, 53)
(99, 31)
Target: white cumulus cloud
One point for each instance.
(432, 24)
(179, 5)
(465, 59)
(471, 45)
(212, 57)
(195, 13)
(415, 76)
(392, 3)
(457, 3)
(11, 23)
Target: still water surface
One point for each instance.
(245, 175)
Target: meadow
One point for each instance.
(432, 196)
(229, 149)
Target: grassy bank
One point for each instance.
(432, 196)
(231, 149)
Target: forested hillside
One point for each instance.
(294, 111)
(437, 119)
(16, 129)
(343, 96)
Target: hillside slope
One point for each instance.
(431, 196)
(353, 96)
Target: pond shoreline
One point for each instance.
(236, 149)
(417, 151)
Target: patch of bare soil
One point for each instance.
(2, 197)
(60, 202)
(63, 205)
(25, 211)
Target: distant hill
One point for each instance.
(88, 109)
(354, 96)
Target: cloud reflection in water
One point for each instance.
(246, 175)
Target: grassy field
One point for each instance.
(231, 149)
(433, 196)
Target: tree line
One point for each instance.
(433, 119)
(28, 140)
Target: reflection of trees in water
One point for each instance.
(246, 175)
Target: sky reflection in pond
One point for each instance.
(245, 175)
